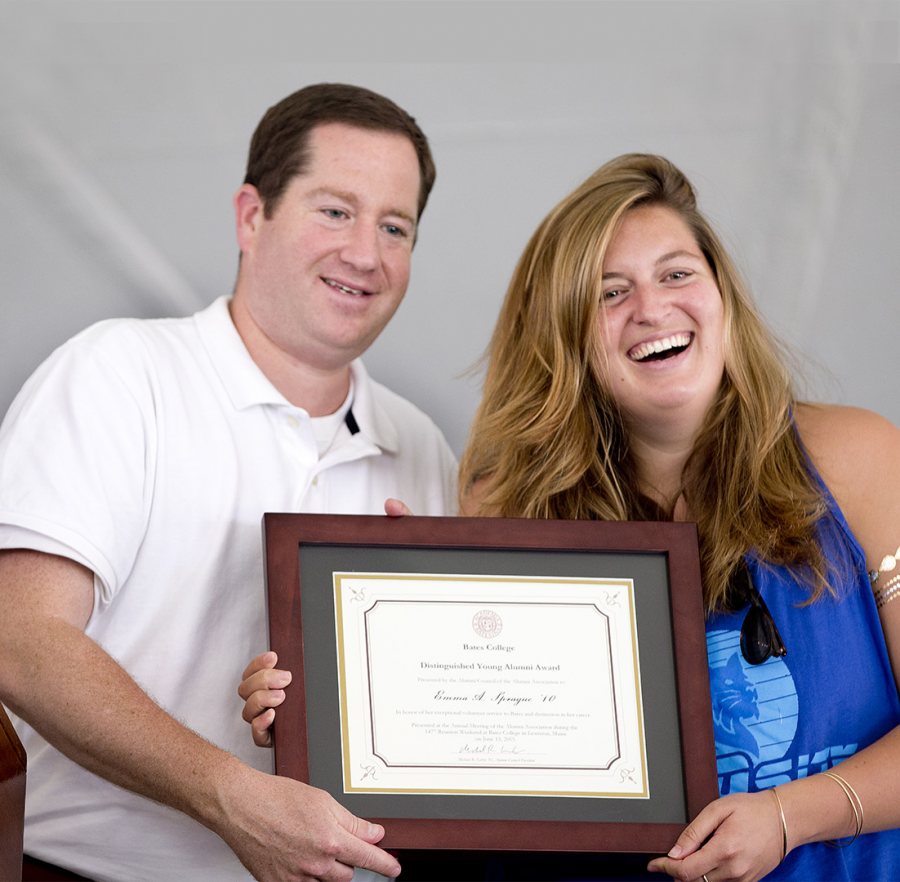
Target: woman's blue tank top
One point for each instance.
(830, 696)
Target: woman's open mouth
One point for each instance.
(659, 350)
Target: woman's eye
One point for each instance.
(612, 294)
(394, 230)
(678, 275)
(334, 213)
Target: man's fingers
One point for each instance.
(261, 701)
(260, 728)
(362, 852)
(266, 659)
(264, 680)
(371, 857)
(338, 873)
(361, 828)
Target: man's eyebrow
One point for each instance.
(351, 199)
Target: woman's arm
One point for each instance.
(857, 454)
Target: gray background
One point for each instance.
(124, 128)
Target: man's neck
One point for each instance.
(318, 390)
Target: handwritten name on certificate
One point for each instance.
(489, 685)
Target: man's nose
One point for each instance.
(361, 249)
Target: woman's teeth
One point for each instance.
(664, 348)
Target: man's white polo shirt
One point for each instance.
(148, 451)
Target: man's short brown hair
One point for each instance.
(279, 149)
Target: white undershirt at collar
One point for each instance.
(327, 428)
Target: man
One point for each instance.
(135, 467)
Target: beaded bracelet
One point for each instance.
(855, 804)
(891, 589)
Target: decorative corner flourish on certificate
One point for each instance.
(489, 685)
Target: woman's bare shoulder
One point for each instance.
(846, 442)
(857, 453)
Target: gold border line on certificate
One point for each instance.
(486, 762)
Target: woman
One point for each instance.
(630, 378)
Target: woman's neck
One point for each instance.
(660, 460)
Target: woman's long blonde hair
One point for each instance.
(550, 440)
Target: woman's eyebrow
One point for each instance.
(679, 253)
(671, 255)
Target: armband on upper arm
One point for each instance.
(890, 589)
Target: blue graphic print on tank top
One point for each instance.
(832, 695)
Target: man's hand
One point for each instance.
(283, 830)
(262, 688)
(60, 681)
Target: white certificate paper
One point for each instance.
(489, 685)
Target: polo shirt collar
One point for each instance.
(373, 420)
(246, 385)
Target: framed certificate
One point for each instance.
(488, 683)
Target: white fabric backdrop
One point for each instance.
(124, 128)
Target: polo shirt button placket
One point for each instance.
(315, 497)
(303, 457)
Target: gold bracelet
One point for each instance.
(784, 848)
(855, 804)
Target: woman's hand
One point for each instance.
(396, 508)
(737, 837)
(262, 689)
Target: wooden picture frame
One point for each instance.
(660, 560)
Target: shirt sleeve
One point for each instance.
(77, 454)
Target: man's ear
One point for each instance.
(248, 215)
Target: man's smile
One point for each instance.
(340, 286)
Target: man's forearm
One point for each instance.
(88, 707)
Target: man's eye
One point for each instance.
(334, 213)
(394, 230)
